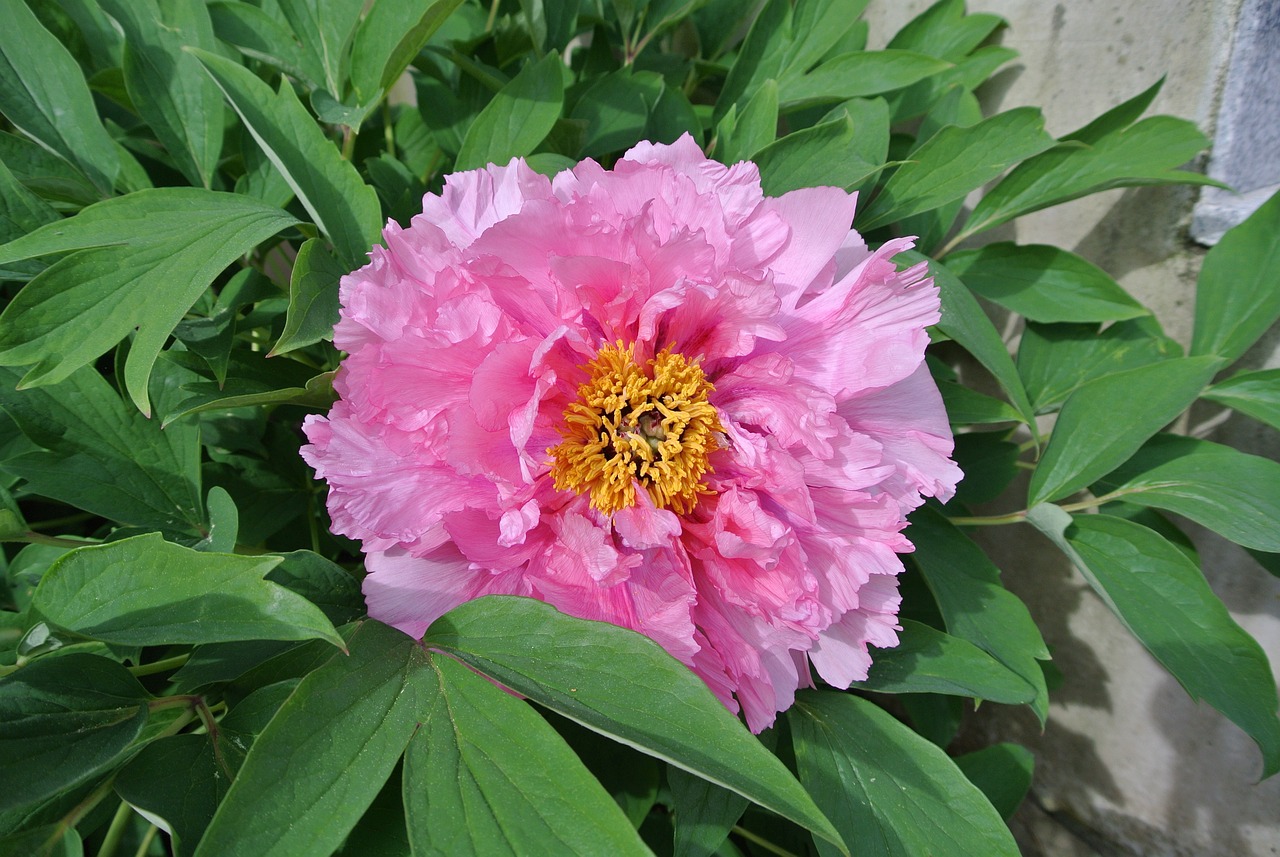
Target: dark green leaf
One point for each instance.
(43, 93)
(142, 260)
(824, 155)
(144, 591)
(316, 392)
(21, 211)
(324, 28)
(383, 46)
(892, 792)
(945, 31)
(1105, 421)
(704, 813)
(1003, 773)
(517, 118)
(1254, 393)
(313, 299)
(45, 174)
(1044, 283)
(1163, 599)
(989, 463)
(616, 110)
(975, 605)
(929, 661)
(1235, 494)
(955, 161)
(1236, 297)
(857, 75)
(325, 584)
(341, 204)
(65, 718)
(760, 56)
(334, 742)
(624, 685)
(180, 780)
(486, 775)
(101, 455)
(258, 35)
(969, 407)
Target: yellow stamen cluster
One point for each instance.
(650, 425)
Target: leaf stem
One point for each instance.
(159, 666)
(145, 845)
(78, 812)
(989, 520)
(33, 538)
(762, 842)
(115, 833)
(493, 16)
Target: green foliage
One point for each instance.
(183, 643)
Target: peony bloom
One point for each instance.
(650, 396)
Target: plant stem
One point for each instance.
(159, 666)
(493, 16)
(115, 832)
(762, 842)
(145, 845)
(79, 811)
(990, 520)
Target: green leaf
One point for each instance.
(313, 299)
(185, 804)
(142, 260)
(892, 792)
(383, 46)
(242, 392)
(486, 775)
(1163, 599)
(21, 211)
(955, 161)
(1235, 494)
(1105, 421)
(964, 321)
(704, 813)
(44, 94)
(759, 57)
(1054, 360)
(334, 742)
(329, 188)
(65, 719)
(1236, 297)
(166, 85)
(102, 456)
(518, 117)
(324, 583)
(969, 407)
(144, 591)
(989, 463)
(1142, 154)
(824, 155)
(625, 686)
(945, 31)
(616, 110)
(857, 75)
(324, 28)
(1003, 773)
(928, 661)
(259, 36)
(974, 603)
(1044, 283)
(1254, 393)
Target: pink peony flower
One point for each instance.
(647, 395)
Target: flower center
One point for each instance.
(652, 425)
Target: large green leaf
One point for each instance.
(313, 299)
(1236, 297)
(1003, 773)
(623, 685)
(139, 263)
(1161, 596)
(974, 603)
(325, 28)
(43, 93)
(21, 211)
(892, 793)
(928, 661)
(826, 154)
(144, 591)
(518, 117)
(166, 84)
(1044, 283)
(334, 743)
(752, 129)
(187, 803)
(1105, 421)
(101, 455)
(955, 161)
(704, 813)
(945, 31)
(1235, 494)
(383, 46)
(857, 75)
(65, 718)
(257, 34)
(1254, 393)
(341, 204)
(486, 775)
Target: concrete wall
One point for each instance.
(1128, 764)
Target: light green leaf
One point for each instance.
(1235, 494)
(144, 591)
(969, 407)
(517, 118)
(974, 603)
(142, 261)
(955, 161)
(928, 661)
(1044, 283)
(857, 75)
(1105, 421)
(65, 718)
(44, 94)
(334, 742)
(313, 299)
(315, 392)
(1163, 599)
(760, 56)
(945, 31)
(383, 46)
(823, 155)
(341, 204)
(101, 455)
(486, 775)
(625, 686)
(1254, 393)
(166, 84)
(1236, 298)
(893, 793)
